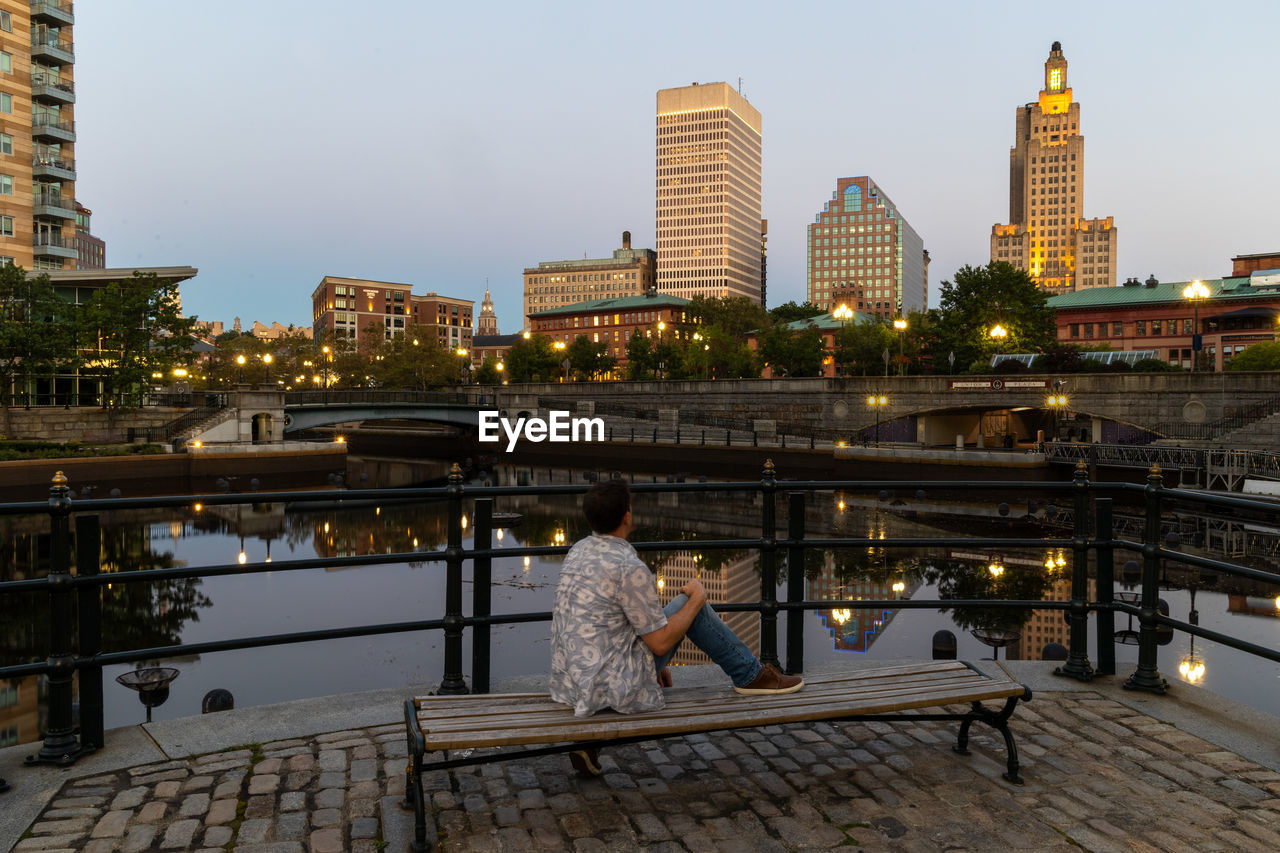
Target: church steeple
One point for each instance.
(487, 322)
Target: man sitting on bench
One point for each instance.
(610, 636)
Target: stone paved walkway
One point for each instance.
(1099, 776)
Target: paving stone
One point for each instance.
(263, 784)
(221, 812)
(254, 830)
(216, 836)
(292, 826)
(179, 834)
(293, 801)
(112, 824)
(152, 811)
(139, 838)
(330, 798)
(364, 827)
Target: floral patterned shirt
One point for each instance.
(605, 600)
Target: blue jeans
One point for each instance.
(709, 633)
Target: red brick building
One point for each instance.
(1238, 312)
(612, 321)
(348, 307)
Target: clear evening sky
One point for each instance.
(442, 144)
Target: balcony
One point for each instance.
(52, 89)
(52, 166)
(53, 205)
(53, 246)
(51, 50)
(49, 128)
(57, 13)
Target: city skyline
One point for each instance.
(294, 150)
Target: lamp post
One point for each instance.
(1191, 667)
(901, 325)
(1056, 404)
(466, 366)
(240, 368)
(877, 403)
(328, 357)
(844, 314)
(267, 359)
(559, 347)
(998, 333)
(1195, 291)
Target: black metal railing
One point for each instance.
(212, 404)
(75, 606)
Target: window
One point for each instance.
(1117, 330)
(6, 102)
(6, 184)
(6, 226)
(1140, 327)
(6, 62)
(6, 143)
(6, 22)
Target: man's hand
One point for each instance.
(664, 677)
(695, 591)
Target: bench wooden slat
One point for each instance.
(961, 689)
(472, 721)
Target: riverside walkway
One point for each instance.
(1105, 770)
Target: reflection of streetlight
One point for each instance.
(877, 403)
(899, 587)
(1195, 291)
(901, 325)
(842, 615)
(996, 567)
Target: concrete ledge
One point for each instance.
(945, 456)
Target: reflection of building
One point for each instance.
(853, 629)
(863, 254)
(20, 711)
(736, 581)
(1047, 234)
(1251, 605)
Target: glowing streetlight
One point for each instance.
(877, 403)
(996, 567)
(240, 368)
(901, 325)
(998, 333)
(1195, 291)
(1057, 404)
(842, 615)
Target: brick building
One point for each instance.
(1157, 316)
(555, 284)
(612, 321)
(349, 307)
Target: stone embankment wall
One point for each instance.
(83, 424)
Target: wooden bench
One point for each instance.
(437, 724)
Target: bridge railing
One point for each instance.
(75, 580)
(376, 397)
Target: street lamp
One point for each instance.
(1056, 403)
(996, 567)
(844, 314)
(240, 368)
(901, 325)
(266, 359)
(877, 403)
(998, 333)
(559, 347)
(1195, 291)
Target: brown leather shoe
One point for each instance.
(771, 681)
(586, 762)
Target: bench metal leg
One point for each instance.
(414, 795)
(1000, 722)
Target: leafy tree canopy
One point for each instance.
(789, 312)
(1260, 356)
(981, 298)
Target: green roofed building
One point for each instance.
(612, 321)
(1229, 316)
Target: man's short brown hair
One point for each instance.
(605, 505)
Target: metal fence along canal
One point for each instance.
(77, 576)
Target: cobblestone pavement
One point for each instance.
(1099, 776)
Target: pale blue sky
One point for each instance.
(272, 143)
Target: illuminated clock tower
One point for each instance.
(1047, 234)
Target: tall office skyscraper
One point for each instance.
(37, 135)
(864, 255)
(1047, 234)
(709, 230)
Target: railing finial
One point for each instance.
(768, 469)
(455, 473)
(1155, 470)
(1082, 467)
(59, 480)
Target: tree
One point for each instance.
(713, 354)
(792, 353)
(531, 359)
(590, 360)
(489, 374)
(414, 361)
(735, 315)
(1260, 356)
(979, 299)
(860, 347)
(789, 312)
(640, 357)
(36, 332)
(134, 328)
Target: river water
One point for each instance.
(192, 611)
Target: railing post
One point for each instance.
(1106, 571)
(795, 582)
(89, 611)
(60, 744)
(452, 683)
(1077, 665)
(769, 566)
(1147, 675)
(481, 594)
(727, 435)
